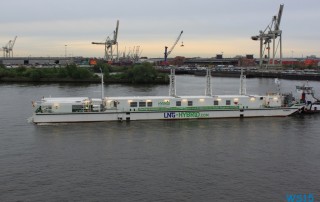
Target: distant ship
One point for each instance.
(172, 107)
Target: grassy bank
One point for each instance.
(137, 74)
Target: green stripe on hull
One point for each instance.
(143, 109)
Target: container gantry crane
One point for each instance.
(8, 48)
(269, 35)
(109, 43)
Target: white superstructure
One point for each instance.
(85, 109)
(310, 103)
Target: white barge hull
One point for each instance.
(165, 115)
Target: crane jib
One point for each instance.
(166, 53)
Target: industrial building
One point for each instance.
(36, 61)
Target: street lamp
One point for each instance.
(65, 50)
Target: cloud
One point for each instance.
(45, 26)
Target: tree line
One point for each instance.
(144, 73)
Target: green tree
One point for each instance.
(62, 73)
(142, 73)
(35, 75)
(3, 72)
(71, 68)
(103, 66)
(81, 73)
(106, 73)
(28, 72)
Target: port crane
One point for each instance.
(8, 48)
(166, 52)
(136, 53)
(109, 43)
(172, 77)
(269, 35)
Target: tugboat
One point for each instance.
(311, 105)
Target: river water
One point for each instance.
(253, 159)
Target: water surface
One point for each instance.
(253, 159)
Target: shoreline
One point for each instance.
(231, 74)
(250, 74)
(70, 80)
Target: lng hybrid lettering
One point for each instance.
(173, 115)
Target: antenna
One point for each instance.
(208, 88)
(102, 86)
(277, 82)
(243, 87)
(172, 90)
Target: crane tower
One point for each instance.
(172, 88)
(109, 55)
(8, 48)
(166, 52)
(269, 36)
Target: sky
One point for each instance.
(55, 27)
